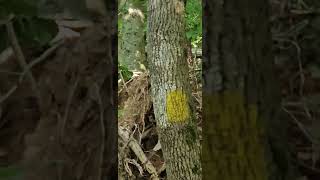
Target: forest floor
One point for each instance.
(58, 135)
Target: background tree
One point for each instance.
(132, 34)
(243, 133)
(170, 89)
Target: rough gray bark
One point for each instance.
(132, 40)
(170, 89)
(242, 131)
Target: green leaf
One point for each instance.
(194, 21)
(18, 7)
(32, 32)
(10, 173)
(125, 72)
(35, 32)
(120, 113)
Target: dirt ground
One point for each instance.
(69, 133)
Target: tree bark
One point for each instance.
(132, 40)
(242, 131)
(173, 106)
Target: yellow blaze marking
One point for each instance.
(177, 106)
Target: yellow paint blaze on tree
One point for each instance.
(232, 134)
(177, 106)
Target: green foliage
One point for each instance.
(10, 173)
(196, 169)
(119, 28)
(193, 18)
(139, 4)
(123, 9)
(125, 72)
(18, 7)
(35, 31)
(191, 133)
(120, 113)
(194, 22)
(31, 31)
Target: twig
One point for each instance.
(5, 55)
(130, 80)
(8, 94)
(124, 82)
(47, 53)
(102, 131)
(305, 132)
(19, 54)
(43, 56)
(302, 78)
(66, 113)
(302, 4)
(5, 20)
(162, 168)
(135, 147)
(305, 165)
(304, 12)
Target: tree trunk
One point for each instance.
(242, 133)
(170, 89)
(132, 40)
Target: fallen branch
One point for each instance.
(135, 74)
(43, 56)
(8, 94)
(19, 54)
(6, 54)
(135, 147)
(300, 125)
(66, 112)
(47, 53)
(163, 167)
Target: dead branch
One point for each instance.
(43, 57)
(8, 94)
(20, 57)
(124, 82)
(66, 112)
(300, 125)
(135, 147)
(5, 55)
(47, 53)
